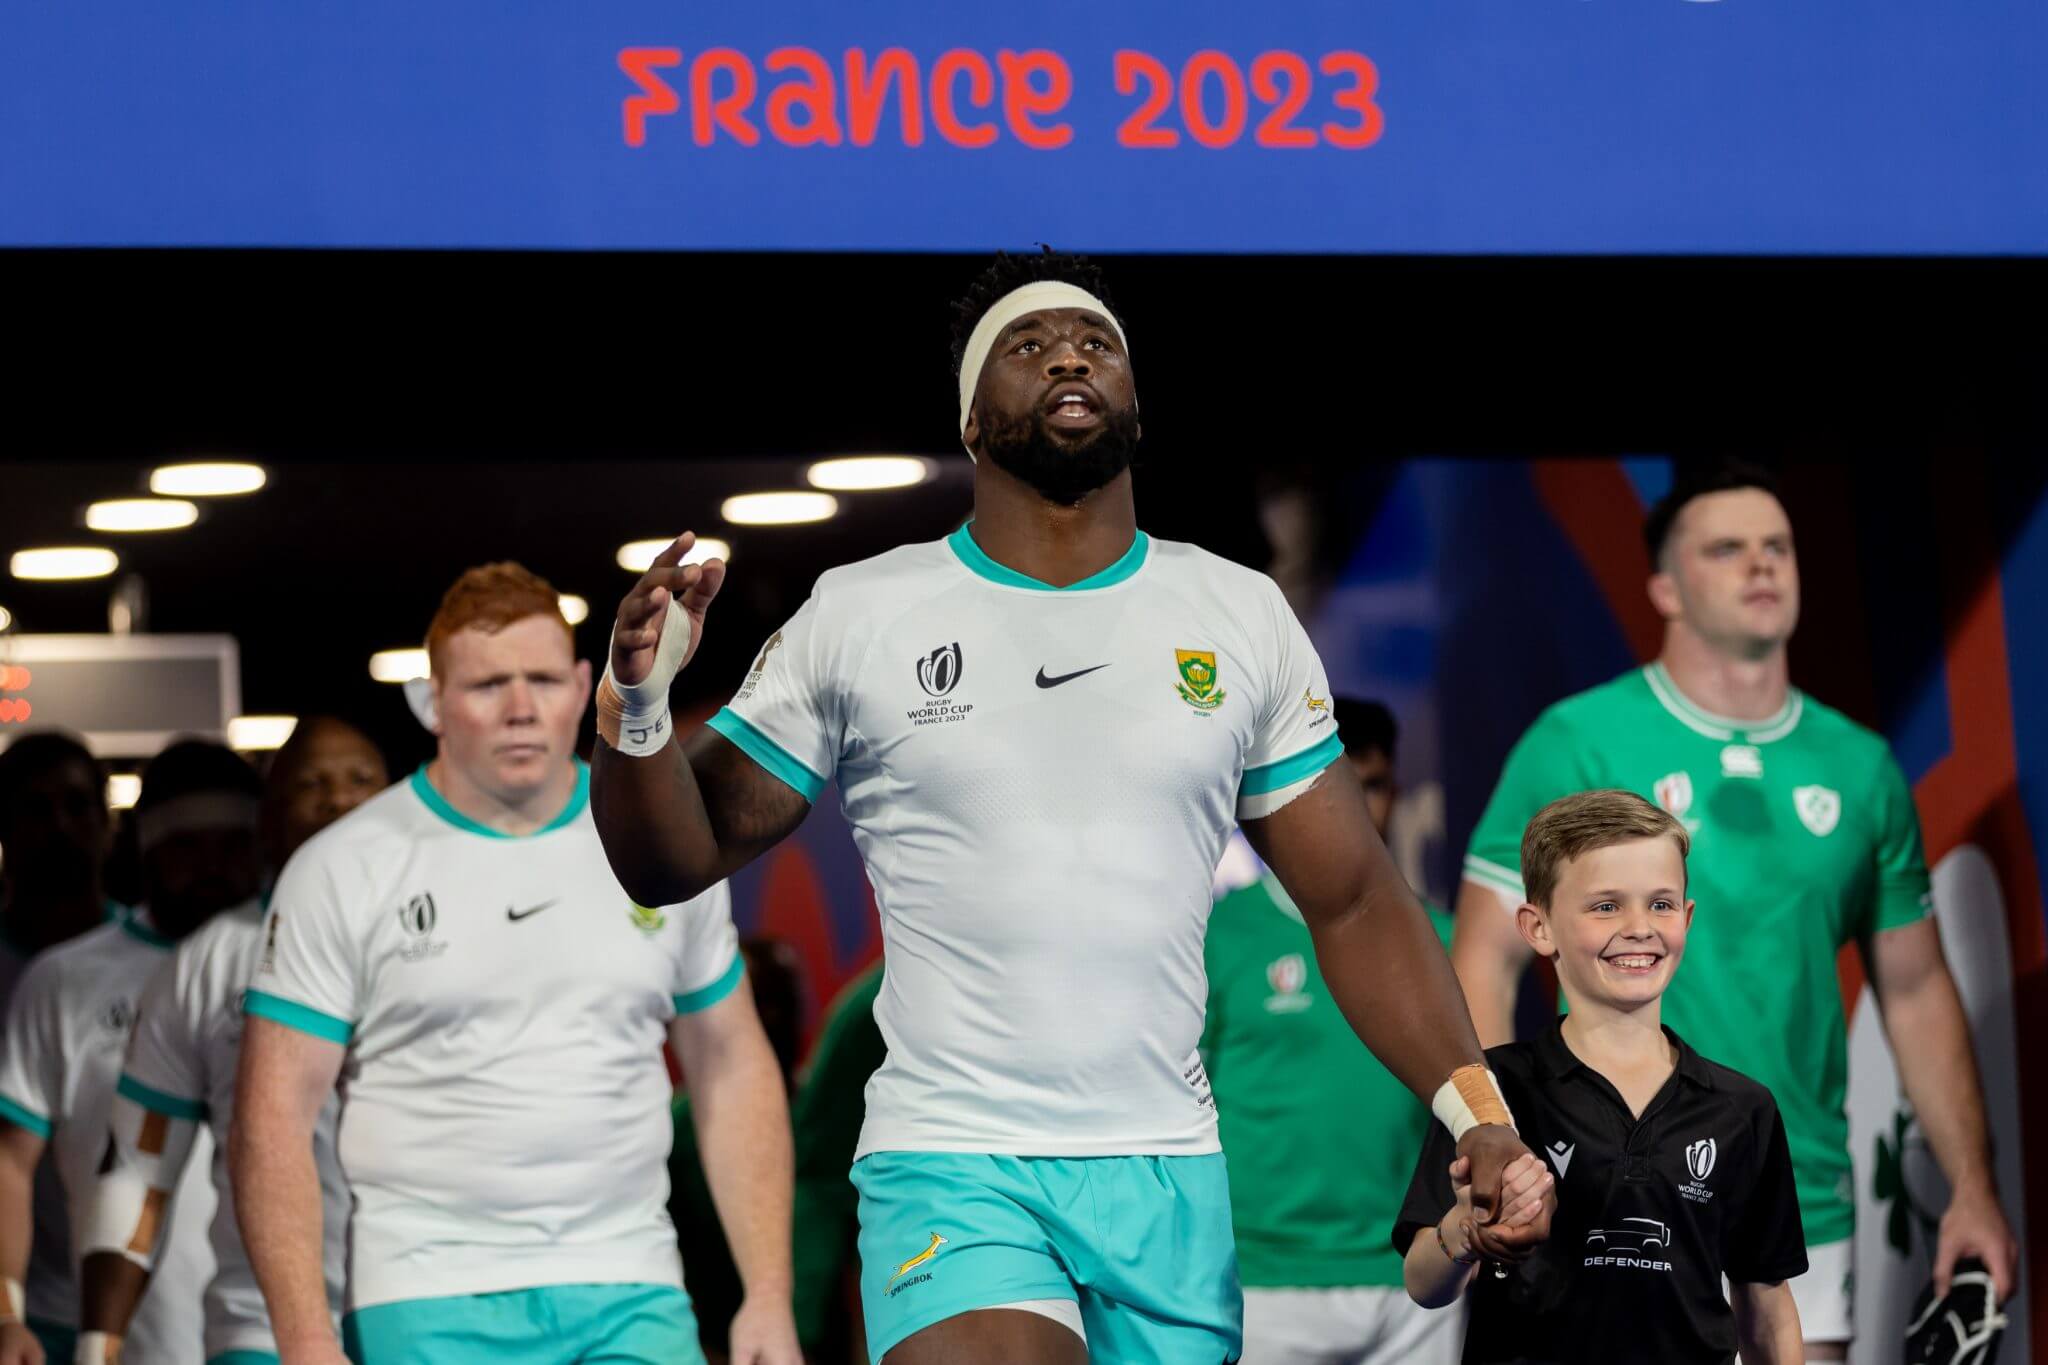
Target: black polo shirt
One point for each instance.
(1651, 1213)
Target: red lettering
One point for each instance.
(1357, 97)
(815, 95)
(866, 93)
(1277, 128)
(1200, 67)
(1022, 99)
(981, 92)
(728, 111)
(656, 95)
(1137, 130)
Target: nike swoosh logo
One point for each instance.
(516, 915)
(1044, 681)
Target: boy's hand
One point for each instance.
(1492, 1152)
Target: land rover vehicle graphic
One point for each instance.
(1633, 1234)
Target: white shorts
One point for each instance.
(1826, 1293)
(1368, 1325)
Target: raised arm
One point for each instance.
(1387, 969)
(675, 820)
(284, 1079)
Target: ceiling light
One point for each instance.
(777, 509)
(122, 790)
(248, 734)
(637, 556)
(141, 514)
(398, 665)
(207, 479)
(6, 618)
(861, 473)
(574, 609)
(64, 561)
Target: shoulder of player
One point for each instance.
(55, 970)
(1181, 562)
(1823, 724)
(1593, 710)
(917, 569)
(351, 857)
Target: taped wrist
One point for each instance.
(16, 1307)
(131, 1199)
(1469, 1098)
(633, 718)
(97, 1348)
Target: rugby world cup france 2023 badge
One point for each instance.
(938, 673)
(417, 918)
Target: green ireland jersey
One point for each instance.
(1804, 839)
(1320, 1137)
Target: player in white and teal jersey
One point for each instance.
(457, 952)
(1804, 839)
(55, 834)
(1317, 1130)
(1042, 729)
(68, 1025)
(178, 1080)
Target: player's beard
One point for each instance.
(1063, 471)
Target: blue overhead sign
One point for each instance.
(1541, 126)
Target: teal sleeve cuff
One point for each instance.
(157, 1101)
(24, 1118)
(293, 1015)
(1270, 777)
(704, 997)
(779, 762)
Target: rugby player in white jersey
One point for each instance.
(458, 954)
(179, 1077)
(1042, 729)
(68, 1025)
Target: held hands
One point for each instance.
(18, 1345)
(637, 633)
(1511, 1192)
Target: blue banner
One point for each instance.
(1464, 126)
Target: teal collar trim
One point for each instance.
(439, 805)
(976, 559)
(133, 926)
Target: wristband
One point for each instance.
(1469, 1098)
(17, 1300)
(97, 1348)
(633, 718)
(1444, 1247)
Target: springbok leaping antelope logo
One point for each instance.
(919, 1259)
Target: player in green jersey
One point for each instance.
(1320, 1137)
(1805, 839)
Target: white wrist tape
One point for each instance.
(1469, 1098)
(634, 718)
(97, 1348)
(17, 1301)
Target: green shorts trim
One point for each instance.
(618, 1324)
(1141, 1243)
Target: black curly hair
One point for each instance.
(1009, 272)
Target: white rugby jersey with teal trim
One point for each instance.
(67, 1027)
(181, 1064)
(1041, 781)
(504, 1105)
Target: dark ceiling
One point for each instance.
(421, 412)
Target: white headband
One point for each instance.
(1036, 297)
(198, 810)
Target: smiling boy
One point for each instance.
(1672, 1171)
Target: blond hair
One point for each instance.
(489, 598)
(1574, 825)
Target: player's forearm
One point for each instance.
(17, 1220)
(652, 821)
(1489, 958)
(742, 1121)
(1767, 1325)
(1387, 972)
(1930, 1036)
(278, 1208)
(109, 1288)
